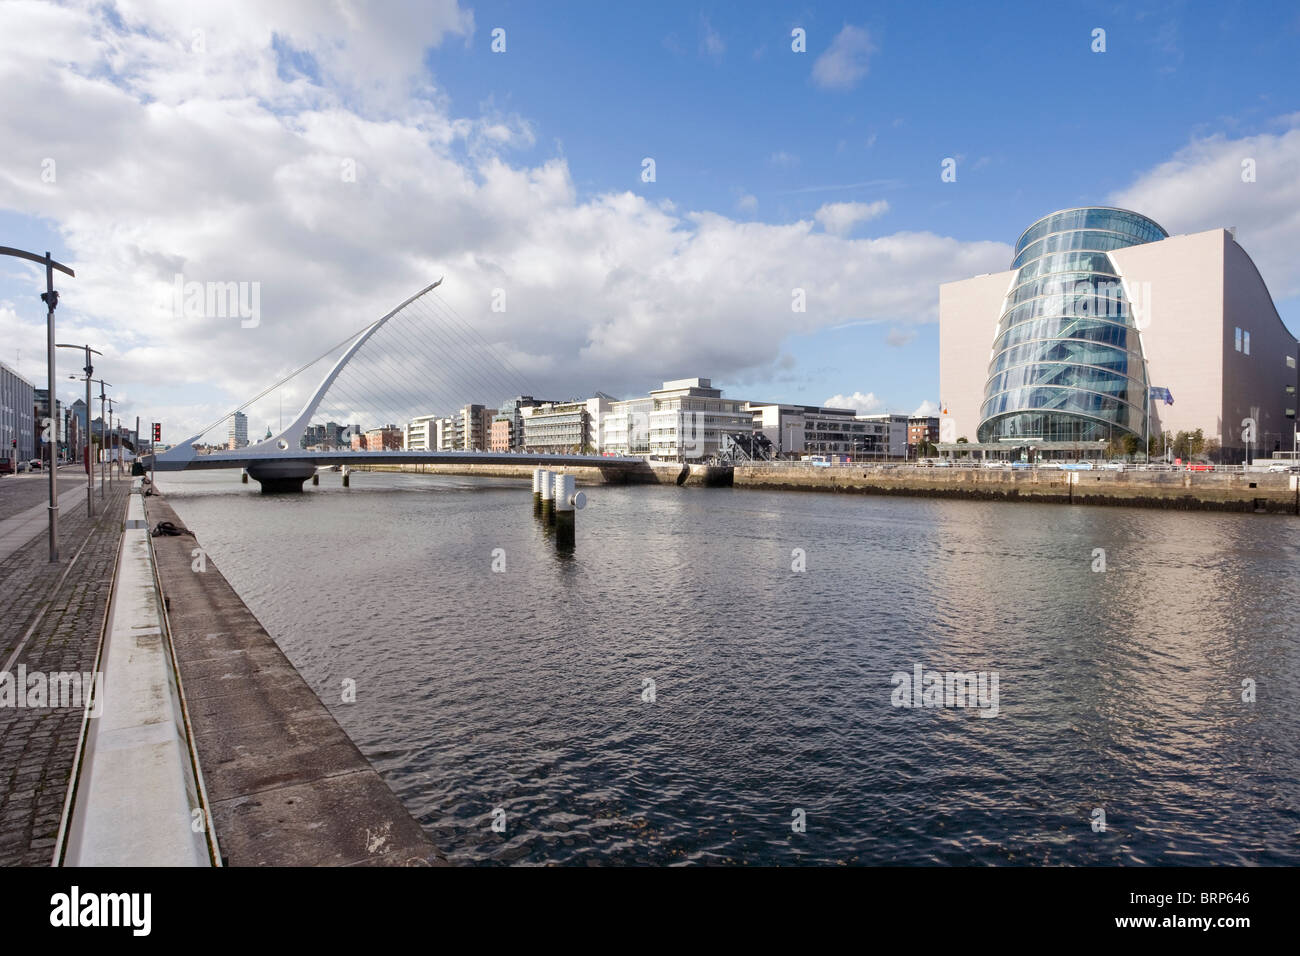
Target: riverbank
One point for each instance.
(1180, 490)
(285, 783)
(1251, 492)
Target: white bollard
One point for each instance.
(548, 495)
(565, 499)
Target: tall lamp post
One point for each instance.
(112, 431)
(90, 471)
(102, 421)
(51, 299)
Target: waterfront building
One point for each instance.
(469, 429)
(17, 418)
(386, 438)
(922, 430)
(237, 436)
(512, 409)
(421, 433)
(500, 437)
(41, 408)
(1107, 329)
(689, 417)
(625, 427)
(557, 427)
(813, 430)
(889, 433)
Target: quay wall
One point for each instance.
(648, 473)
(1193, 491)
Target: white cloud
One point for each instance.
(784, 159)
(846, 61)
(711, 42)
(863, 403)
(748, 204)
(900, 337)
(839, 218)
(1201, 188)
(218, 167)
(927, 409)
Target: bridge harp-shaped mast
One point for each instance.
(287, 441)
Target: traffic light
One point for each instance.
(157, 431)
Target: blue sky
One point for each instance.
(742, 127)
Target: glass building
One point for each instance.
(1067, 362)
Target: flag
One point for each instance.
(1163, 394)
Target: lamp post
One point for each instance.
(90, 471)
(112, 431)
(51, 300)
(102, 420)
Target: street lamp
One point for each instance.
(102, 420)
(51, 300)
(90, 471)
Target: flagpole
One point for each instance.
(1146, 425)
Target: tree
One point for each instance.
(1130, 443)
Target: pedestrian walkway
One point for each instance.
(19, 529)
(51, 619)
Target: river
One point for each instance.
(675, 691)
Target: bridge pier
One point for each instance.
(277, 477)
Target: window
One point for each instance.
(1245, 342)
(1237, 340)
(1290, 361)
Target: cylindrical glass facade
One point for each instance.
(1067, 362)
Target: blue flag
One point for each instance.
(1158, 392)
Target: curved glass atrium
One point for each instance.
(1067, 363)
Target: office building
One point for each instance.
(1106, 330)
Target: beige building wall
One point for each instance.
(968, 321)
(1255, 385)
(1176, 289)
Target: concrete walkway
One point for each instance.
(285, 783)
(137, 799)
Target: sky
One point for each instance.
(336, 157)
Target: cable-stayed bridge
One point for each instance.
(419, 356)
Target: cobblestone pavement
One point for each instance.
(20, 492)
(38, 746)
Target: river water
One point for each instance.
(675, 692)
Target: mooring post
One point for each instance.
(567, 502)
(548, 496)
(347, 477)
(537, 491)
(315, 478)
(243, 476)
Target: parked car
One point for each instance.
(1199, 466)
(942, 463)
(6, 466)
(1283, 466)
(1114, 466)
(1079, 465)
(22, 466)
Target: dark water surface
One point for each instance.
(1119, 690)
